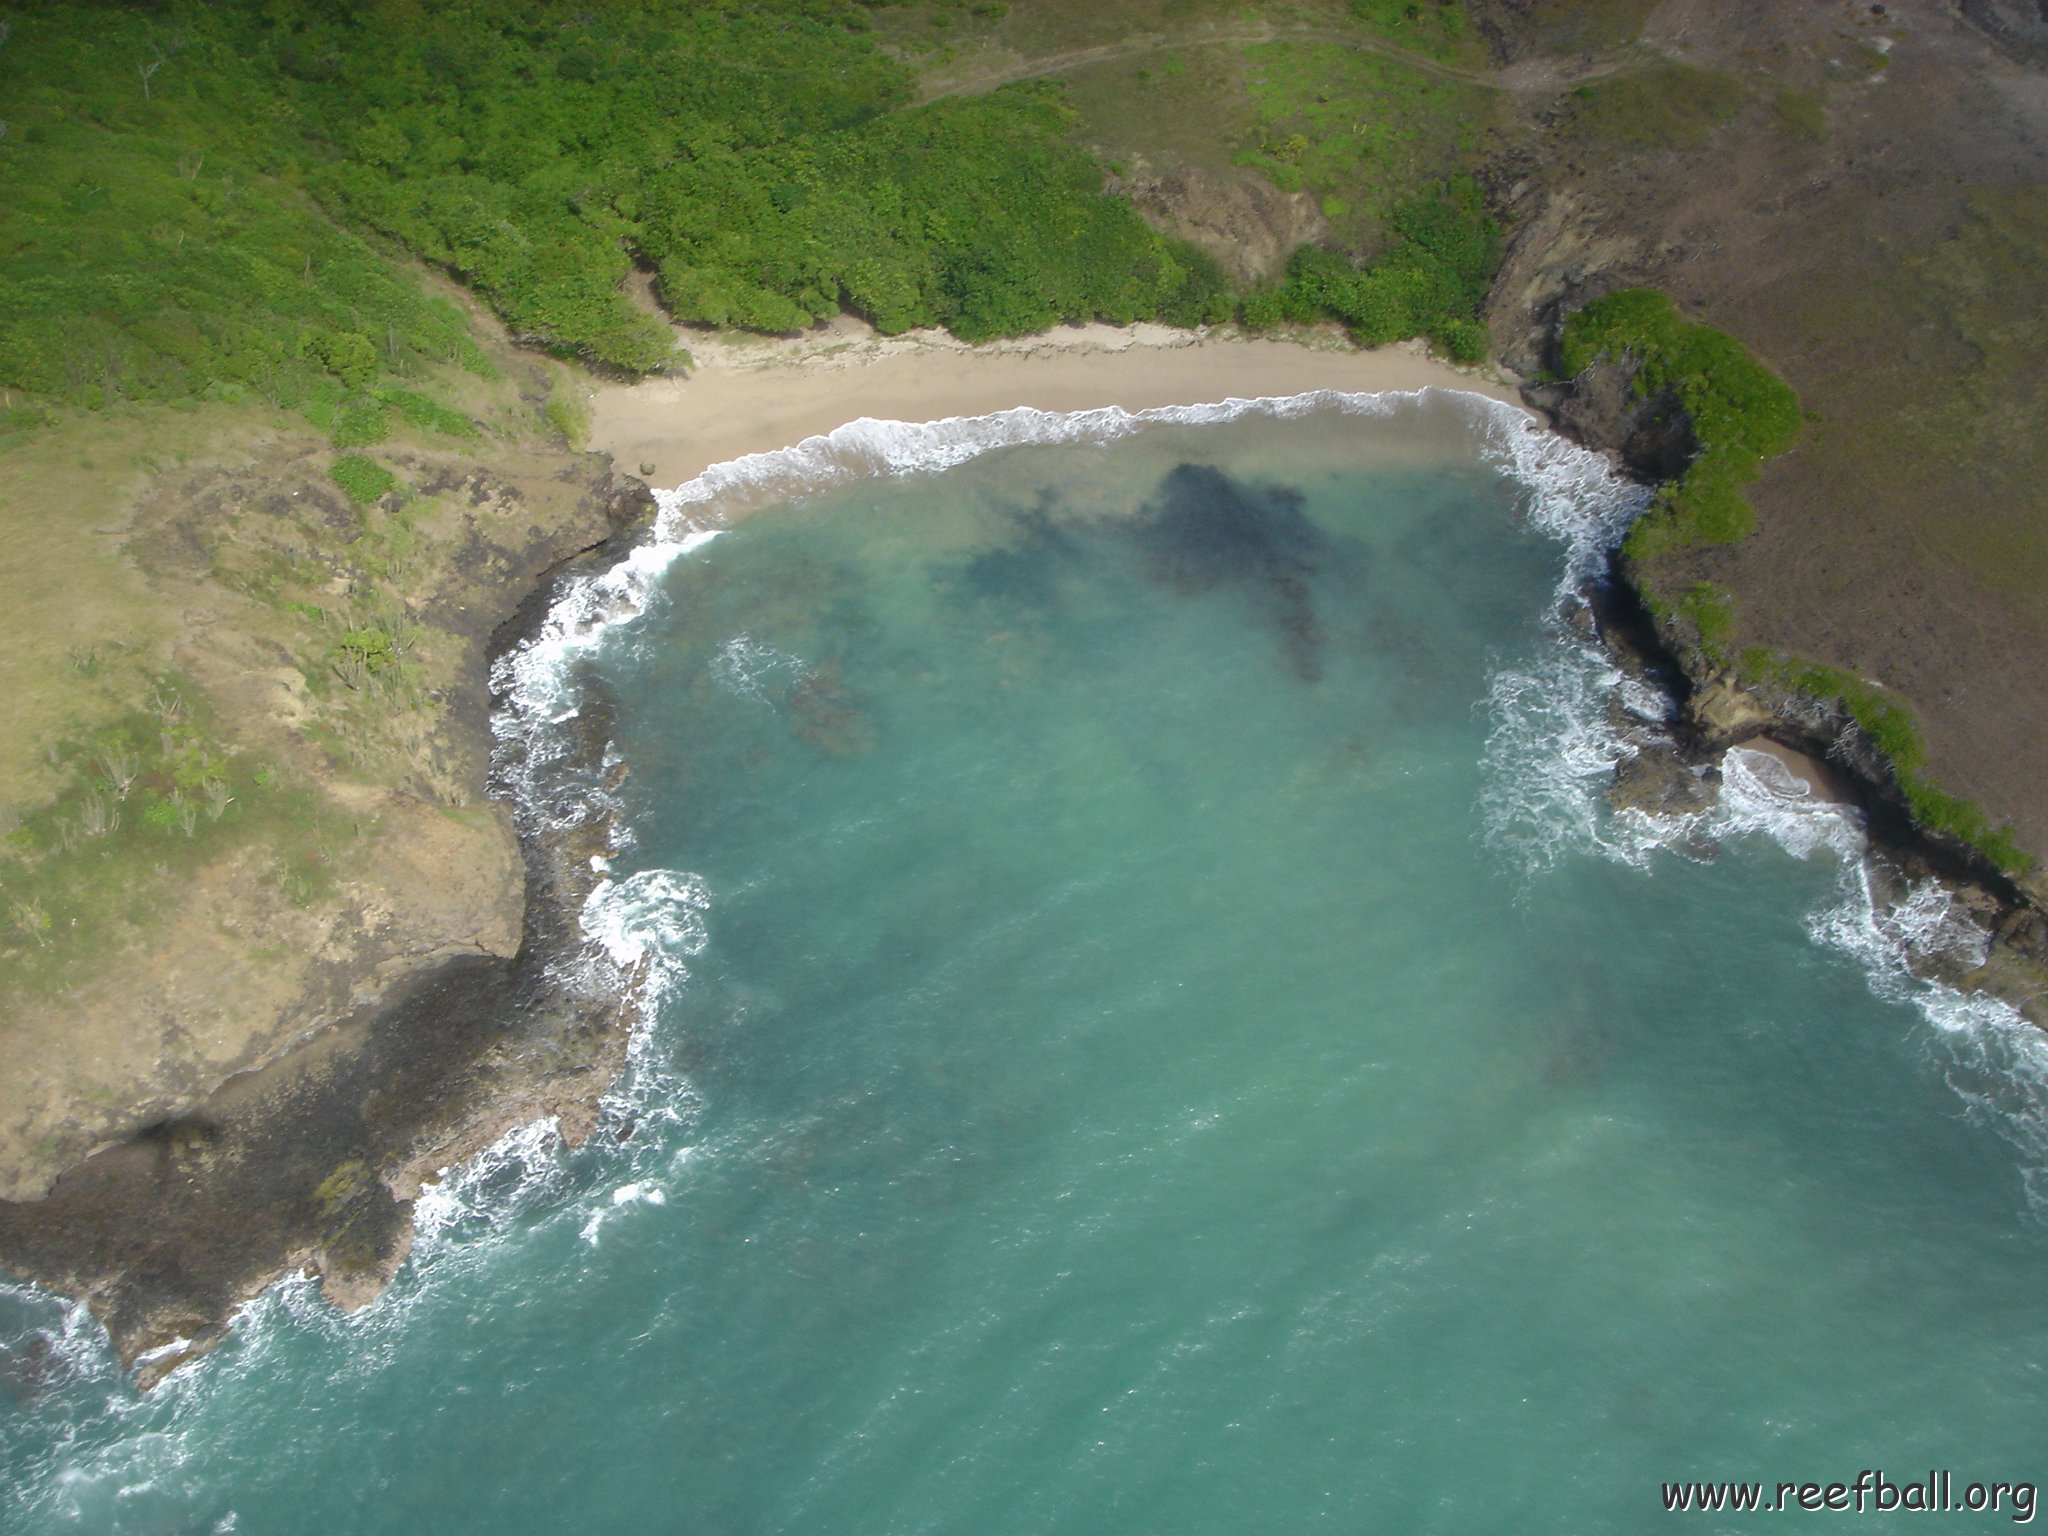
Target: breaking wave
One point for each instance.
(633, 938)
(1561, 725)
(1573, 494)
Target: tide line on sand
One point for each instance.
(747, 397)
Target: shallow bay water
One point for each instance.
(1158, 1033)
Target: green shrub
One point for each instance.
(1431, 280)
(361, 479)
(162, 814)
(1462, 341)
(1711, 611)
(1888, 721)
(1741, 412)
(427, 415)
(360, 424)
(1261, 309)
(348, 355)
(372, 648)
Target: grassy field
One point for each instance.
(1664, 105)
(128, 773)
(262, 461)
(1357, 130)
(1986, 287)
(237, 783)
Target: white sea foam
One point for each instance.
(638, 1192)
(652, 918)
(1574, 493)
(1561, 725)
(746, 667)
(62, 1331)
(870, 448)
(1759, 794)
(482, 1192)
(110, 1459)
(1988, 1053)
(649, 926)
(1550, 751)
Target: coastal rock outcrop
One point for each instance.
(474, 1005)
(1660, 780)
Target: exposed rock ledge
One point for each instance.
(313, 1160)
(1675, 769)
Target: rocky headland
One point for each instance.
(282, 1037)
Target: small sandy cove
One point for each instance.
(753, 395)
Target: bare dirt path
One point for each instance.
(1531, 76)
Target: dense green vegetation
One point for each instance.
(1888, 721)
(150, 254)
(167, 168)
(1741, 413)
(759, 157)
(1431, 281)
(973, 214)
(361, 479)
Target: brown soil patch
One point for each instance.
(241, 569)
(1894, 267)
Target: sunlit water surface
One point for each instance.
(1170, 1041)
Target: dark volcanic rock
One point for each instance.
(1659, 781)
(2019, 27)
(312, 1161)
(1602, 409)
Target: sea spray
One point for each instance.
(1562, 724)
(1573, 495)
(1127, 1084)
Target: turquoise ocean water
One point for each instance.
(1156, 1032)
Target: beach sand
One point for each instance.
(1822, 782)
(755, 395)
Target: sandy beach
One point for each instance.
(755, 395)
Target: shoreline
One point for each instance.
(768, 394)
(745, 397)
(311, 1162)
(757, 396)
(1674, 768)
